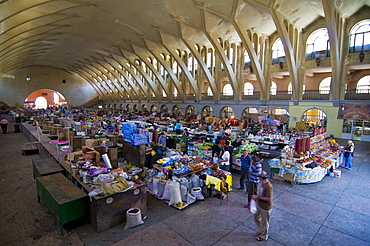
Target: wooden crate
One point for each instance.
(30, 148)
(289, 177)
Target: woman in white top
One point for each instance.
(225, 158)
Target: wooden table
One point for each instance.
(64, 200)
(45, 166)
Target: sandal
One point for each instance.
(256, 234)
(260, 239)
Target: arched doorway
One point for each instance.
(45, 98)
(153, 109)
(227, 112)
(176, 110)
(207, 111)
(164, 109)
(315, 116)
(191, 110)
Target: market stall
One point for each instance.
(308, 161)
(180, 180)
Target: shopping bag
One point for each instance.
(253, 208)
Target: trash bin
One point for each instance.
(17, 128)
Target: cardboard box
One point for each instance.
(91, 142)
(277, 177)
(289, 177)
(337, 173)
(91, 154)
(74, 156)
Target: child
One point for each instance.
(215, 158)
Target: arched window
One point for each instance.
(290, 88)
(324, 87)
(174, 67)
(277, 50)
(248, 88)
(209, 92)
(317, 116)
(273, 89)
(318, 44)
(363, 85)
(360, 36)
(228, 90)
(175, 92)
(247, 59)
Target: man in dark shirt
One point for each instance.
(216, 148)
(264, 207)
(245, 160)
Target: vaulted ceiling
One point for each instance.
(65, 34)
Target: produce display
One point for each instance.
(309, 160)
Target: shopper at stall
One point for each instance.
(215, 158)
(4, 125)
(162, 139)
(348, 154)
(264, 207)
(220, 134)
(234, 145)
(218, 173)
(245, 160)
(178, 127)
(216, 148)
(254, 171)
(225, 158)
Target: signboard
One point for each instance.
(358, 111)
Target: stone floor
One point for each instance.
(334, 211)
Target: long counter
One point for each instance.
(105, 212)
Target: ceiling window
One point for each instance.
(318, 44)
(273, 89)
(248, 88)
(278, 49)
(360, 36)
(209, 92)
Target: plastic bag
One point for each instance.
(253, 208)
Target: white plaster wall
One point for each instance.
(14, 88)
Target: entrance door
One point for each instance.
(357, 129)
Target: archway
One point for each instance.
(191, 110)
(45, 98)
(315, 116)
(176, 110)
(227, 112)
(207, 111)
(250, 114)
(164, 109)
(153, 109)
